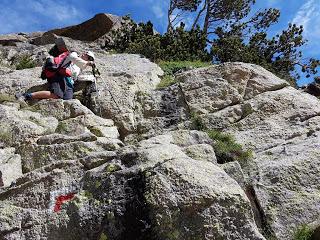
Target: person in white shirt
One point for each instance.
(61, 86)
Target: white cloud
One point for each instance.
(158, 11)
(59, 11)
(34, 15)
(309, 16)
(274, 3)
(305, 14)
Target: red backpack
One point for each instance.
(57, 65)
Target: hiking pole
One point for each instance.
(96, 73)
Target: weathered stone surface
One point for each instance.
(123, 76)
(10, 166)
(33, 132)
(29, 205)
(61, 109)
(214, 88)
(285, 180)
(192, 200)
(281, 125)
(17, 126)
(11, 39)
(202, 152)
(265, 115)
(59, 138)
(21, 81)
(234, 170)
(270, 119)
(168, 185)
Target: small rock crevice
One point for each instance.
(259, 215)
(131, 221)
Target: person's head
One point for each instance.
(88, 56)
(61, 45)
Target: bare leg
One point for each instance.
(43, 95)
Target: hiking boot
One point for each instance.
(20, 97)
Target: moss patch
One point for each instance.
(166, 81)
(6, 98)
(196, 122)
(103, 236)
(96, 131)
(62, 128)
(112, 168)
(303, 233)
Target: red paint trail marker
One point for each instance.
(62, 199)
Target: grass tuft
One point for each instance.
(227, 149)
(170, 68)
(303, 233)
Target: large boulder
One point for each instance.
(91, 29)
(11, 39)
(70, 158)
(279, 123)
(123, 78)
(197, 200)
(54, 130)
(213, 88)
(150, 190)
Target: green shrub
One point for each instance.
(226, 148)
(178, 44)
(172, 67)
(303, 233)
(24, 62)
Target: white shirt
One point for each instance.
(77, 64)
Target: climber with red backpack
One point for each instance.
(61, 72)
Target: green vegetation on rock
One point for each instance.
(303, 233)
(103, 236)
(170, 68)
(166, 81)
(24, 62)
(225, 145)
(196, 122)
(62, 127)
(220, 31)
(227, 149)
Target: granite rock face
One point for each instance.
(124, 163)
(279, 123)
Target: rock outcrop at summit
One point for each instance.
(92, 33)
(92, 29)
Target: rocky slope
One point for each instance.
(95, 168)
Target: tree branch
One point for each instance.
(199, 14)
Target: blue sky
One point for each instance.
(41, 15)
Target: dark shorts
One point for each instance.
(59, 87)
